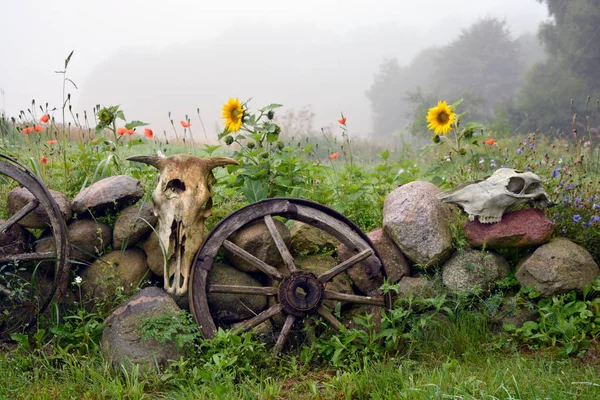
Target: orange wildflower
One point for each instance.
(130, 131)
(342, 121)
(490, 141)
(334, 155)
(28, 130)
(148, 133)
(44, 160)
(52, 141)
(121, 131)
(38, 128)
(45, 118)
(185, 124)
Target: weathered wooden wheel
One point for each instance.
(292, 303)
(23, 300)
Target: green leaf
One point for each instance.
(135, 124)
(120, 115)
(135, 142)
(384, 154)
(270, 107)
(254, 190)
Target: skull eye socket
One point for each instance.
(176, 185)
(515, 185)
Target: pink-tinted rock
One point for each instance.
(522, 228)
(395, 263)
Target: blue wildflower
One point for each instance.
(493, 164)
(519, 151)
(591, 198)
(577, 200)
(596, 206)
(528, 168)
(556, 172)
(504, 166)
(532, 145)
(566, 199)
(587, 224)
(576, 218)
(595, 218)
(569, 186)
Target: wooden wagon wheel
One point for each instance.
(287, 301)
(34, 300)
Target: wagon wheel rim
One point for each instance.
(284, 288)
(42, 197)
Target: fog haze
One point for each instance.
(153, 57)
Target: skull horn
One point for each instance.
(220, 162)
(153, 160)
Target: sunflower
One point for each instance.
(441, 118)
(233, 112)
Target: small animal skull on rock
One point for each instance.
(505, 189)
(182, 202)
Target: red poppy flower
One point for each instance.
(130, 131)
(121, 131)
(28, 130)
(334, 156)
(38, 128)
(148, 133)
(52, 141)
(45, 118)
(185, 124)
(44, 160)
(342, 121)
(490, 141)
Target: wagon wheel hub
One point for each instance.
(301, 293)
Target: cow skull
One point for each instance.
(505, 189)
(182, 202)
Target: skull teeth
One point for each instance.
(488, 219)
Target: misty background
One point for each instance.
(381, 63)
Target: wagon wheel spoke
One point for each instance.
(329, 317)
(283, 250)
(260, 318)
(19, 215)
(254, 261)
(28, 257)
(283, 335)
(352, 298)
(338, 269)
(265, 291)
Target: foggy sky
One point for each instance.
(153, 57)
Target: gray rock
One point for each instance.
(418, 223)
(307, 239)
(466, 270)
(14, 241)
(256, 240)
(395, 263)
(233, 307)
(122, 342)
(131, 225)
(557, 267)
(118, 272)
(88, 240)
(416, 286)
(38, 218)
(108, 194)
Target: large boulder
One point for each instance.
(522, 228)
(321, 263)
(226, 307)
(122, 342)
(557, 267)
(154, 254)
(118, 272)
(307, 239)
(14, 241)
(38, 218)
(363, 275)
(108, 194)
(417, 286)
(256, 239)
(469, 269)
(132, 224)
(88, 240)
(418, 223)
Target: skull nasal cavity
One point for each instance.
(176, 186)
(516, 185)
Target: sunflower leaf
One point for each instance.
(270, 107)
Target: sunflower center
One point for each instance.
(443, 118)
(235, 114)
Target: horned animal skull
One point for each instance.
(505, 189)
(182, 202)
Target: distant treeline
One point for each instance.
(513, 85)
